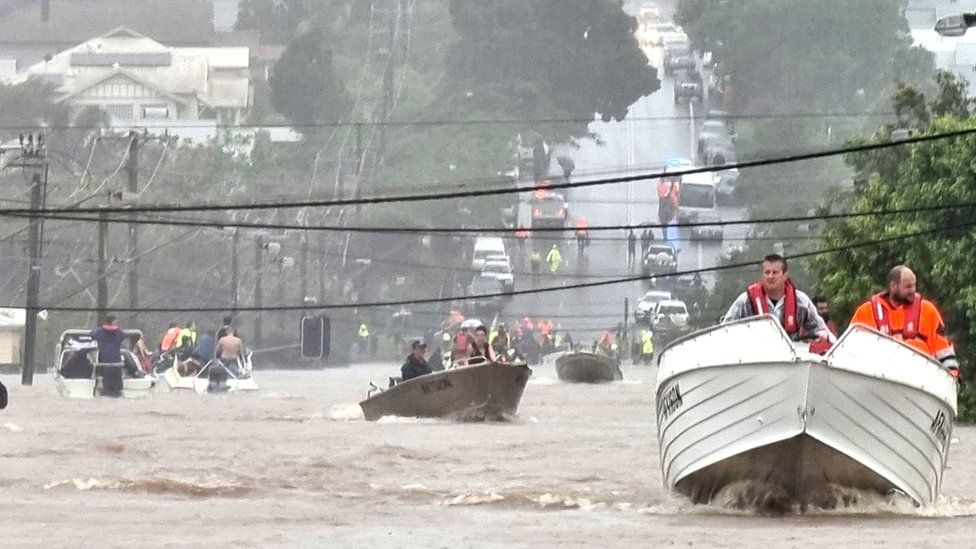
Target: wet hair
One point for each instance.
(481, 329)
(173, 325)
(820, 299)
(109, 319)
(776, 258)
(894, 275)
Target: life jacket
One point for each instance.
(757, 300)
(169, 338)
(912, 317)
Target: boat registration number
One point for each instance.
(669, 403)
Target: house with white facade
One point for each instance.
(141, 83)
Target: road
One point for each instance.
(655, 129)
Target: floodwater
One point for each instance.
(294, 466)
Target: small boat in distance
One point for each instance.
(586, 367)
(488, 391)
(742, 403)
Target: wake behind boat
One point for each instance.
(490, 391)
(585, 367)
(739, 402)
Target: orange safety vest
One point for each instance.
(919, 324)
(169, 338)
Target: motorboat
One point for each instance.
(488, 391)
(79, 374)
(214, 376)
(740, 402)
(586, 367)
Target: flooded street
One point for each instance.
(289, 466)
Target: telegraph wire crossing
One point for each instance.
(473, 122)
(545, 290)
(395, 199)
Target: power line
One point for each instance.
(473, 122)
(790, 159)
(551, 289)
(57, 215)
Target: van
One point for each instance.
(485, 246)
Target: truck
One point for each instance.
(549, 210)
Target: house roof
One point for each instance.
(82, 87)
(178, 22)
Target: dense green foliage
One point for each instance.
(304, 85)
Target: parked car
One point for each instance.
(646, 303)
(671, 314)
(485, 246)
(712, 130)
(500, 271)
(660, 259)
(678, 55)
(710, 233)
(487, 286)
(688, 87)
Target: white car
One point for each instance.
(500, 271)
(485, 246)
(671, 312)
(648, 302)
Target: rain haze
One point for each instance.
(487, 273)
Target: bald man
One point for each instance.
(904, 315)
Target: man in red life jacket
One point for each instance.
(904, 315)
(775, 294)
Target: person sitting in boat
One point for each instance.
(416, 364)
(480, 347)
(823, 309)
(775, 294)
(169, 338)
(606, 344)
(500, 342)
(904, 315)
(462, 345)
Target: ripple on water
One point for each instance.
(154, 485)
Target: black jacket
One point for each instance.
(414, 368)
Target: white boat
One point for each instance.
(237, 376)
(77, 370)
(741, 402)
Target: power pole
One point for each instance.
(102, 295)
(133, 172)
(33, 156)
(258, 295)
(235, 274)
(304, 266)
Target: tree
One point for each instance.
(276, 20)
(933, 173)
(304, 84)
(799, 55)
(546, 59)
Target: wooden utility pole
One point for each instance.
(258, 289)
(235, 274)
(33, 156)
(132, 168)
(101, 301)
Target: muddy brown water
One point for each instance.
(293, 466)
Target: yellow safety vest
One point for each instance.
(363, 331)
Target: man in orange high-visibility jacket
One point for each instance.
(904, 315)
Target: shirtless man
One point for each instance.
(230, 347)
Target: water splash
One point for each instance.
(346, 411)
(162, 486)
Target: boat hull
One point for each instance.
(472, 393)
(588, 368)
(802, 424)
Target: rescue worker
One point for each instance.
(606, 344)
(775, 294)
(363, 338)
(169, 338)
(110, 338)
(416, 364)
(554, 259)
(631, 248)
(187, 339)
(904, 315)
(522, 235)
(823, 309)
(582, 235)
(447, 348)
(647, 346)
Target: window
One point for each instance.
(155, 111)
(122, 112)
